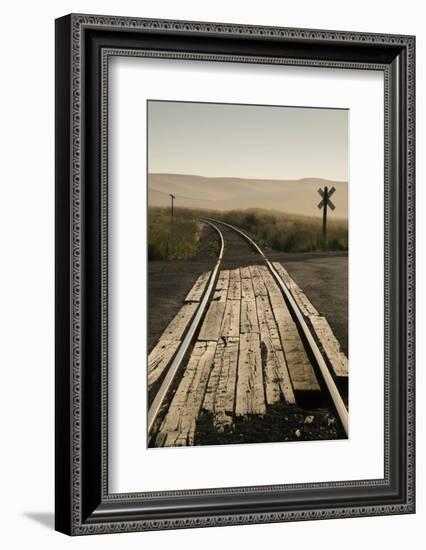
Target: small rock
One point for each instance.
(309, 419)
(297, 433)
(331, 422)
(325, 418)
(223, 423)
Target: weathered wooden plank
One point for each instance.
(302, 374)
(179, 424)
(213, 382)
(247, 292)
(196, 292)
(250, 395)
(299, 366)
(330, 346)
(284, 274)
(268, 279)
(178, 324)
(300, 297)
(259, 287)
(166, 346)
(221, 290)
(210, 329)
(245, 273)
(223, 280)
(231, 319)
(220, 394)
(234, 290)
(159, 359)
(277, 379)
(220, 295)
(248, 321)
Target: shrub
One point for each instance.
(171, 238)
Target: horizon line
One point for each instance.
(246, 178)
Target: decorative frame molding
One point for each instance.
(84, 44)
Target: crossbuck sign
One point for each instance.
(325, 202)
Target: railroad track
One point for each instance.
(186, 342)
(254, 320)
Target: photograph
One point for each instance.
(247, 259)
(234, 261)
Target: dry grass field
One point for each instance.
(177, 237)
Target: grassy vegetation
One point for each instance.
(178, 238)
(288, 232)
(172, 238)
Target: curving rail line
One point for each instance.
(328, 379)
(183, 348)
(196, 322)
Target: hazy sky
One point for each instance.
(247, 141)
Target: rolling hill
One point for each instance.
(291, 196)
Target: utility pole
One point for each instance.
(172, 197)
(325, 202)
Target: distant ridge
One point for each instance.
(221, 193)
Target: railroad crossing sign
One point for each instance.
(325, 202)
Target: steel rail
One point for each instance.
(155, 407)
(328, 379)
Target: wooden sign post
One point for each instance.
(172, 197)
(325, 195)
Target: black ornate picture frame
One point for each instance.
(84, 43)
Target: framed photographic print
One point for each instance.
(234, 274)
